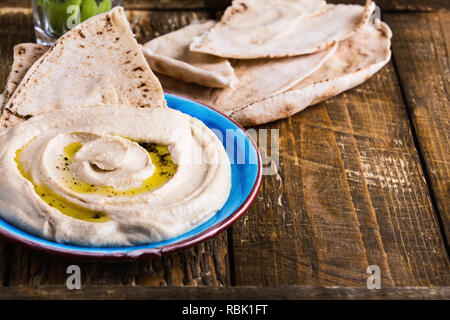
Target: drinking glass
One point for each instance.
(52, 18)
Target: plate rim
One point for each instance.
(151, 252)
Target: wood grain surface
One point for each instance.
(149, 24)
(227, 293)
(4, 263)
(203, 265)
(349, 193)
(403, 5)
(421, 54)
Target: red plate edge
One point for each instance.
(151, 252)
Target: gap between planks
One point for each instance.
(421, 60)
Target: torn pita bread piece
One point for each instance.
(252, 29)
(25, 54)
(356, 60)
(257, 80)
(97, 62)
(170, 55)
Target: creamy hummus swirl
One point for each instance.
(111, 176)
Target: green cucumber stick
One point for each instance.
(104, 6)
(72, 14)
(74, 2)
(55, 12)
(89, 9)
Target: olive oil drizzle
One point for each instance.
(56, 201)
(71, 149)
(165, 168)
(161, 158)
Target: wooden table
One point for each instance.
(363, 179)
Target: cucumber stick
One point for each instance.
(58, 13)
(89, 9)
(104, 6)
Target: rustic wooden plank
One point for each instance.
(4, 263)
(385, 5)
(227, 293)
(403, 5)
(202, 265)
(15, 3)
(205, 264)
(421, 53)
(15, 27)
(349, 193)
(149, 24)
(10, 36)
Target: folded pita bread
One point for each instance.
(170, 55)
(25, 54)
(97, 62)
(278, 28)
(257, 80)
(356, 59)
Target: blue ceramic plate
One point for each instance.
(246, 179)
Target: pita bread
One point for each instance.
(9, 119)
(258, 79)
(356, 59)
(253, 29)
(97, 62)
(25, 54)
(170, 55)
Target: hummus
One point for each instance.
(111, 176)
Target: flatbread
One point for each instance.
(252, 29)
(25, 54)
(170, 55)
(356, 60)
(258, 79)
(97, 62)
